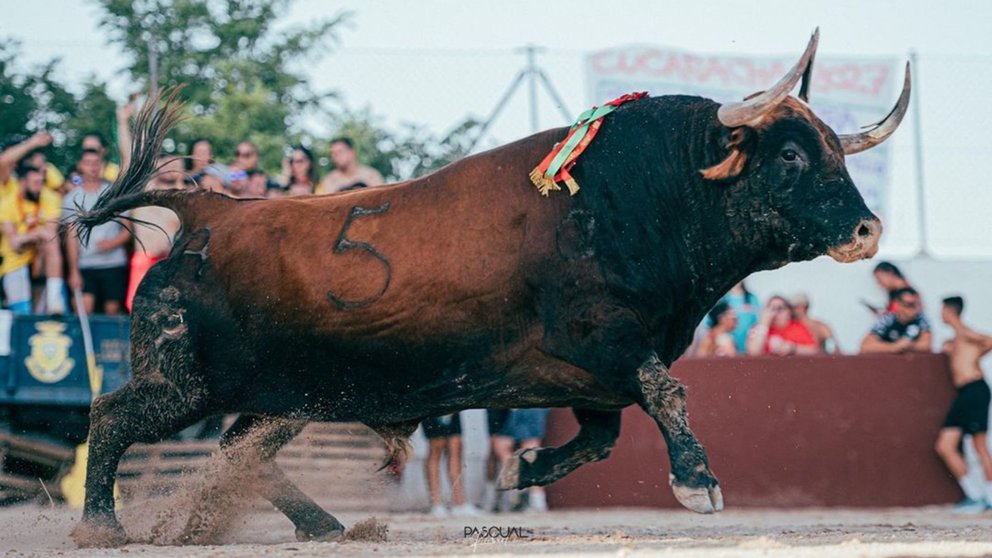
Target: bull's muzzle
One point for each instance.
(863, 244)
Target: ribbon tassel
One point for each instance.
(556, 165)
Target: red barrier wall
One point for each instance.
(792, 432)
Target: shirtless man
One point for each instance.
(348, 174)
(970, 412)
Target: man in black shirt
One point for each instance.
(905, 329)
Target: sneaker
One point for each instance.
(439, 511)
(465, 510)
(970, 507)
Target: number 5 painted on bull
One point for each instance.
(344, 243)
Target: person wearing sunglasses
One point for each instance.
(778, 332)
(905, 329)
(299, 173)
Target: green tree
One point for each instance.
(243, 77)
(32, 99)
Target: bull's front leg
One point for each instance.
(598, 431)
(663, 398)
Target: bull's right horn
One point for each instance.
(744, 112)
(856, 143)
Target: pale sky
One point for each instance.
(436, 62)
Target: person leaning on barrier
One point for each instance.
(719, 339)
(779, 333)
(821, 331)
(903, 330)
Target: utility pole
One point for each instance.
(152, 66)
(535, 76)
(921, 211)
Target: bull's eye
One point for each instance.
(789, 155)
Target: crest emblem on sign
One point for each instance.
(49, 360)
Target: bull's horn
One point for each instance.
(856, 143)
(740, 113)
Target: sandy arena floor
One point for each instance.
(40, 531)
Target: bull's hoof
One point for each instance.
(510, 476)
(99, 534)
(698, 499)
(328, 531)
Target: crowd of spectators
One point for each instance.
(42, 267)
(739, 325)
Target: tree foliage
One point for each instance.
(243, 77)
(32, 99)
(242, 74)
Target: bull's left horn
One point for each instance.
(741, 113)
(856, 143)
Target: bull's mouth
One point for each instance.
(851, 253)
(863, 245)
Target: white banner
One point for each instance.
(846, 93)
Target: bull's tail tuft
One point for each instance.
(158, 116)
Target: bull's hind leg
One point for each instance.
(598, 430)
(663, 398)
(141, 411)
(253, 441)
(164, 396)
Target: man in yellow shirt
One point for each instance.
(29, 216)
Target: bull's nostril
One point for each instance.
(864, 231)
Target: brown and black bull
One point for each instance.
(467, 289)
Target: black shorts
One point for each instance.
(497, 419)
(970, 410)
(442, 427)
(105, 284)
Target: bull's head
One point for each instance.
(787, 161)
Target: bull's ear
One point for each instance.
(733, 165)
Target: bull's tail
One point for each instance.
(153, 122)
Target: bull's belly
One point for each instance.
(376, 395)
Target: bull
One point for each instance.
(466, 289)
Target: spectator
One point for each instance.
(53, 178)
(29, 217)
(745, 306)
(94, 141)
(527, 427)
(348, 174)
(904, 330)
(500, 451)
(246, 159)
(888, 276)
(444, 434)
(779, 333)
(719, 340)
(14, 154)
(299, 172)
(245, 156)
(199, 156)
(969, 414)
(99, 269)
(820, 330)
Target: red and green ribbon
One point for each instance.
(556, 166)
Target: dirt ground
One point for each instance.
(30, 530)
